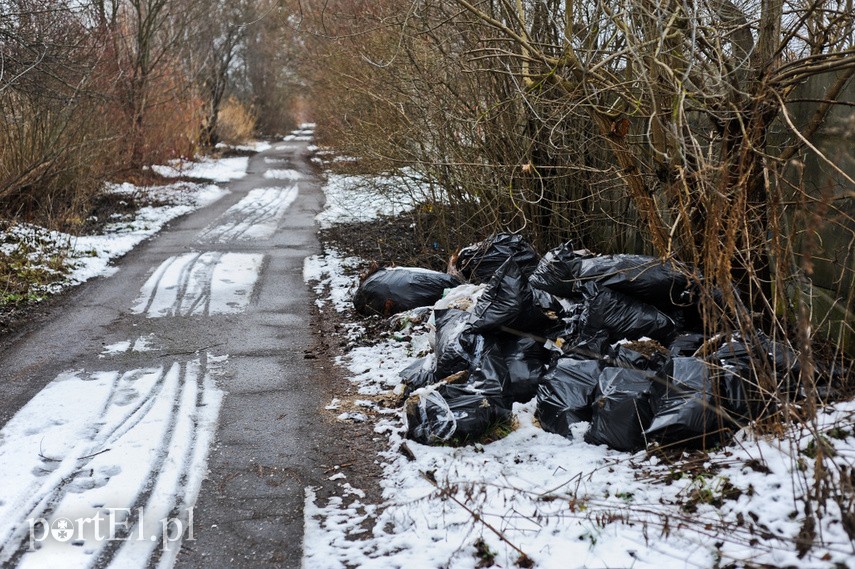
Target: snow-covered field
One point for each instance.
(562, 503)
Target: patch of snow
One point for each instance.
(361, 198)
(214, 169)
(286, 174)
(256, 216)
(254, 146)
(94, 446)
(330, 272)
(200, 284)
(89, 256)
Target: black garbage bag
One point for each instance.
(418, 374)
(388, 291)
(662, 284)
(740, 362)
(622, 410)
(526, 361)
(686, 344)
(686, 405)
(478, 262)
(454, 412)
(638, 355)
(558, 272)
(610, 316)
(508, 301)
(457, 347)
(737, 380)
(566, 394)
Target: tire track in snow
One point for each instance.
(200, 284)
(143, 426)
(256, 216)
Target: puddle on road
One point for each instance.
(256, 216)
(200, 284)
(128, 449)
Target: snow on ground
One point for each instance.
(563, 503)
(214, 169)
(89, 256)
(254, 146)
(200, 284)
(256, 216)
(285, 174)
(100, 459)
(358, 198)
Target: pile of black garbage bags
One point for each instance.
(565, 328)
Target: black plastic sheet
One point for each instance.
(686, 344)
(622, 410)
(388, 291)
(557, 272)
(566, 394)
(646, 358)
(526, 361)
(479, 262)
(418, 374)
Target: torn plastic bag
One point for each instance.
(478, 262)
(622, 410)
(418, 374)
(457, 347)
(508, 301)
(610, 316)
(557, 271)
(686, 405)
(388, 291)
(566, 394)
(454, 412)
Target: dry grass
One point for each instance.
(236, 122)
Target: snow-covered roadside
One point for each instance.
(562, 503)
(89, 256)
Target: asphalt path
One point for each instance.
(217, 295)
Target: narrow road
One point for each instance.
(173, 399)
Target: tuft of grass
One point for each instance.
(235, 122)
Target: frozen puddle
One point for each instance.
(97, 465)
(254, 217)
(200, 284)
